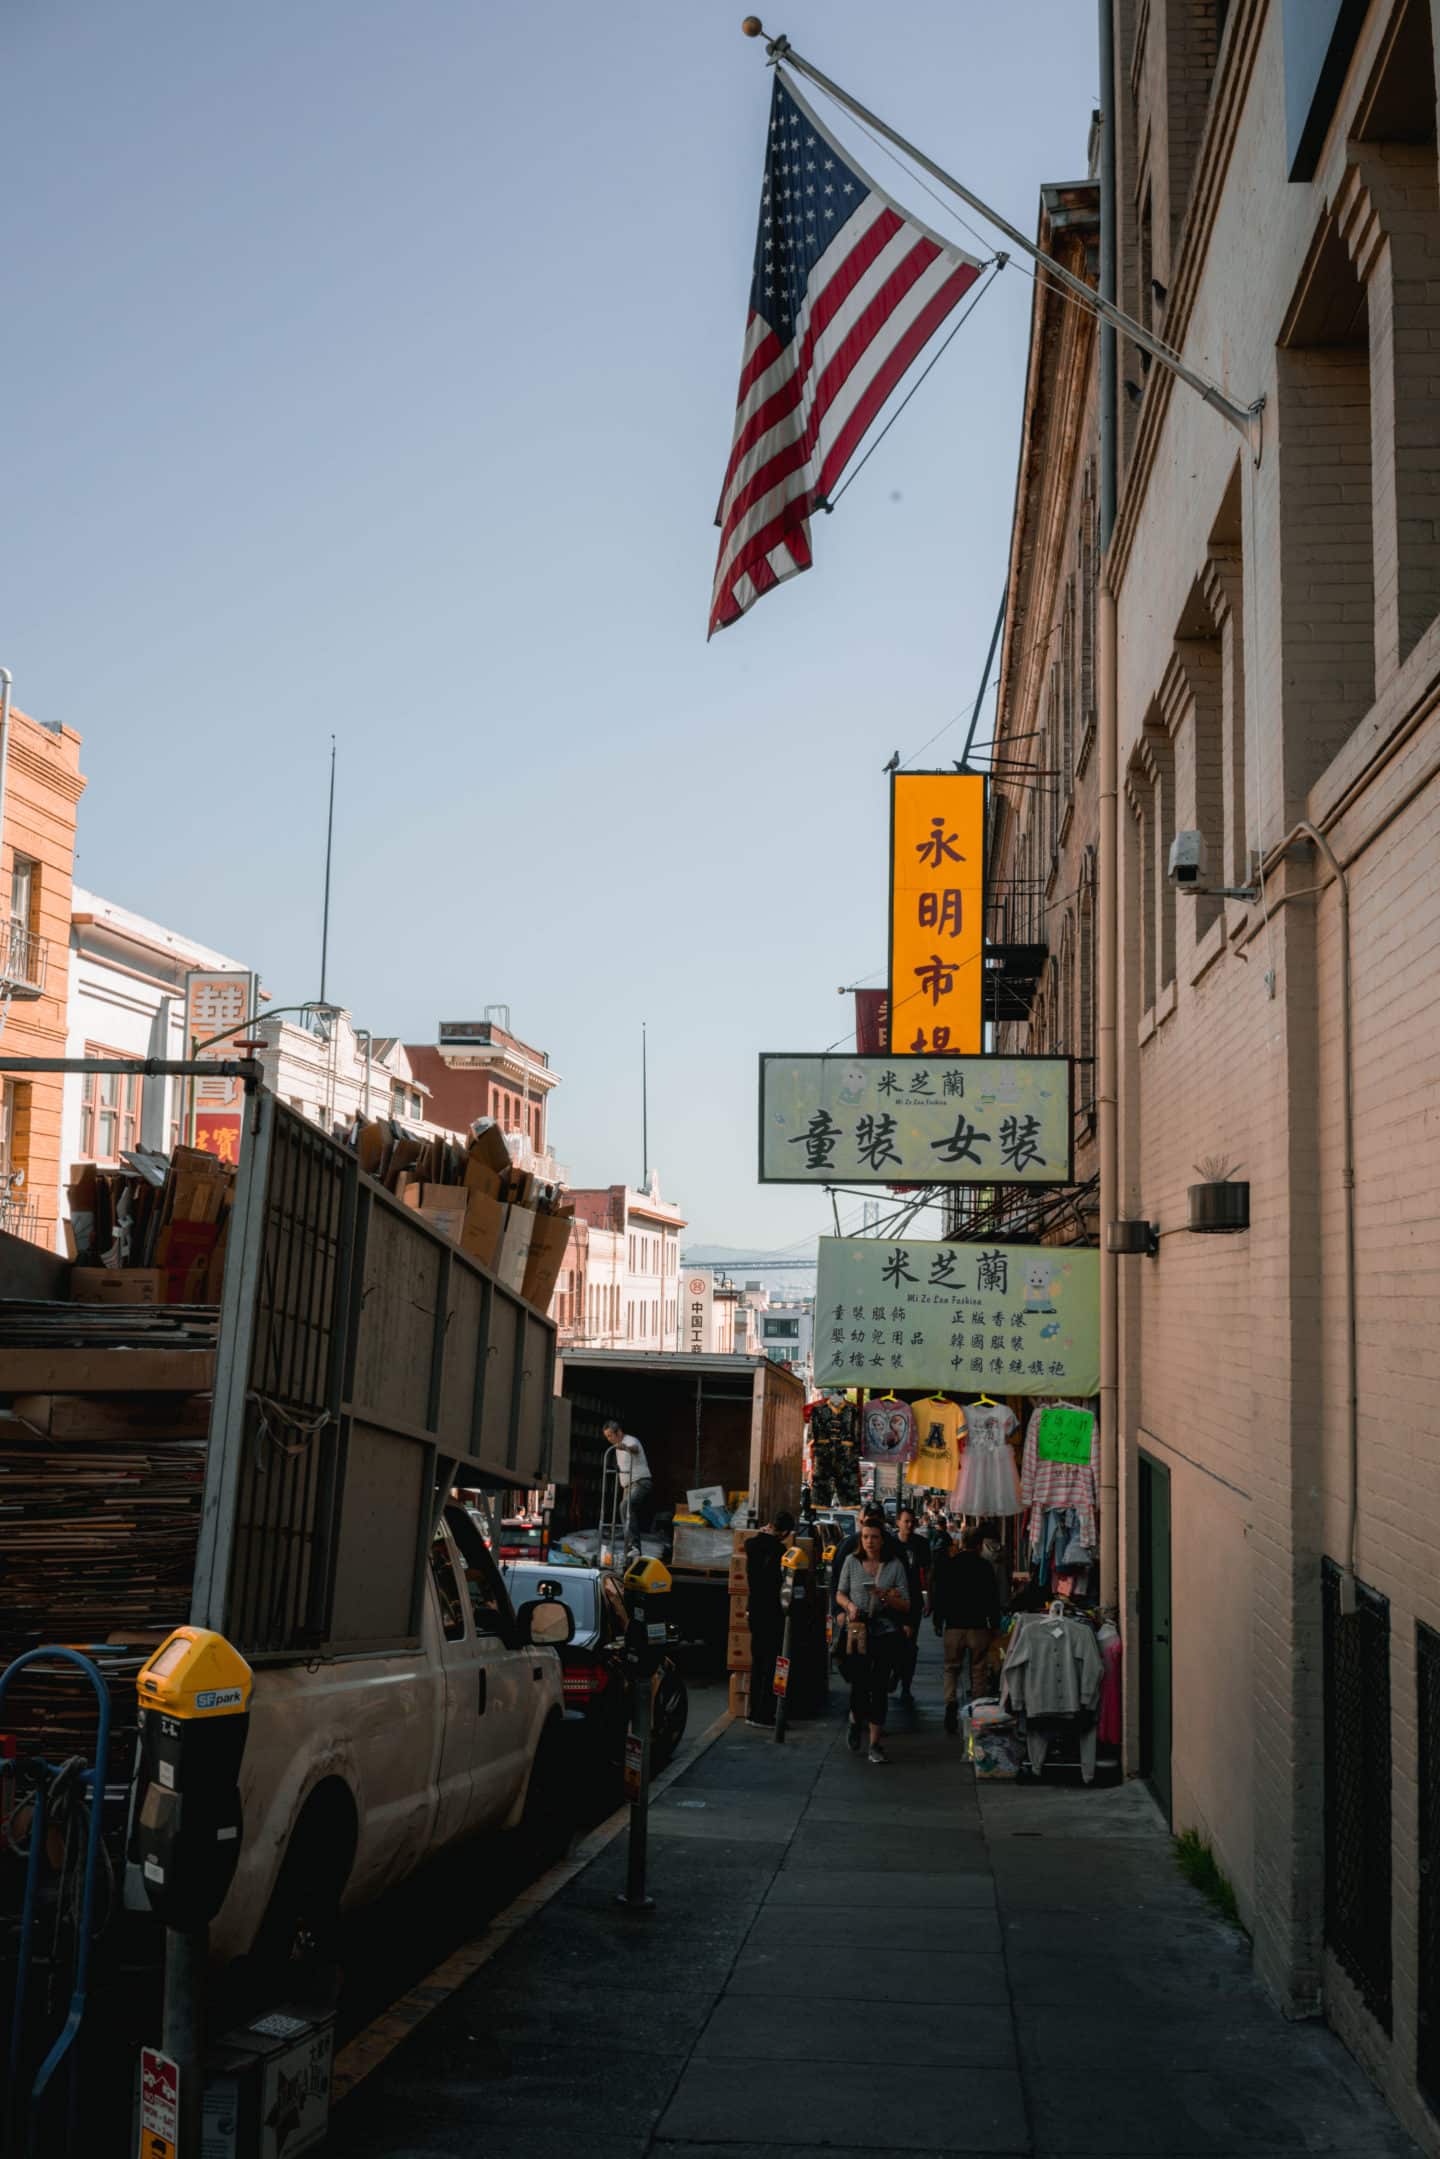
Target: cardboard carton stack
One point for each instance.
(500, 1215)
(152, 1231)
(738, 1650)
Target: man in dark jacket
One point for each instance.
(763, 1554)
(915, 1552)
(967, 1604)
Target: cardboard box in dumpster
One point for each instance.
(117, 1285)
(739, 1694)
(737, 1650)
(444, 1206)
(548, 1240)
(739, 1572)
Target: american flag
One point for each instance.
(847, 290)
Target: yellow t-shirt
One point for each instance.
(940, 1433)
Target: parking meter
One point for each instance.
(647, 1587)
(194, 1716)
(794, 1585)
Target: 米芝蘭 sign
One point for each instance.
(832, 1119)
(937, 904)
(1002, 1318)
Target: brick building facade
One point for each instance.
(1278, 641)
(42, 790)
(1278, 668)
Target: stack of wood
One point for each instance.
(512, 1222)
(100, 1498)
(738, 1651)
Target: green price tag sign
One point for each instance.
(1065, 1435)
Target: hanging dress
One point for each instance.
(988, 1483)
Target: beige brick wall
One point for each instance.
(1233, 1349)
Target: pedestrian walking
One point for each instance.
(967, 1605)
(871, 1512)
(632, 1468)
(763, 1554)
(943, 1544)
(874, 1595)
(915, 1556)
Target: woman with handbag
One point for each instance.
(874, 1595)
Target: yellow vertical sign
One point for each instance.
(937, 901)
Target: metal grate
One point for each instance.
(287, 1483)
(1427, 1687)
(1357, 1789)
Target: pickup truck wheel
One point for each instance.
(548, 1822)
(297, 1945)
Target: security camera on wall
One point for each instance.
(1189, 871)
(1189, 860)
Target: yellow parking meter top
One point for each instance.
(648, 1577)
(796, 1557)
(195, 1673)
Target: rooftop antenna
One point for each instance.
(329, 849)
(645, 1100)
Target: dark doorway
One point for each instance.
(1155, 1669)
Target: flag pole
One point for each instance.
(1246, 419)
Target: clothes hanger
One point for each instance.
(984, 1401)
(891, 1398)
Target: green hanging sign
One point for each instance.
(1065, 1435)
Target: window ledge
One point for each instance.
(1086, 743)
(1146, 1027)
(1209, 949)
(1166, 1004)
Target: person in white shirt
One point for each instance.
(633, 1470)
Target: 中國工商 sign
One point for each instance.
(833, 1119)
(1006, 1318)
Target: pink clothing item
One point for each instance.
(1057, 1484)
(889, 1432)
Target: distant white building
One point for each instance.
(787, 1336)
(126, 1000)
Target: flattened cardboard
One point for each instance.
(487, 1146)
(548, 1241)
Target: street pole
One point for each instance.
(782, 1691)
(635, 1898)
(187, 1960)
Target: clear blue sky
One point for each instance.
(370, 367)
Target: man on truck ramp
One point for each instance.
(632, 1468)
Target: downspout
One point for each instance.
(1107, 1074)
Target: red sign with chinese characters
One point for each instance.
(217, 1003)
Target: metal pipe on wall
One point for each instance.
(1107, 859)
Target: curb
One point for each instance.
(370, 2047)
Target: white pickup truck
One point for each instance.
(360, 1368)
(358, 1770)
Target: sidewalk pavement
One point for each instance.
(890, 1959)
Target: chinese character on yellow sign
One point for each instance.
(937, 897)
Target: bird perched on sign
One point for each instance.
(894, 764)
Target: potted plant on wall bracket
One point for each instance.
(1218, 1206)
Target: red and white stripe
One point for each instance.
(874, 299)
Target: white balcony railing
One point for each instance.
(23, 960)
